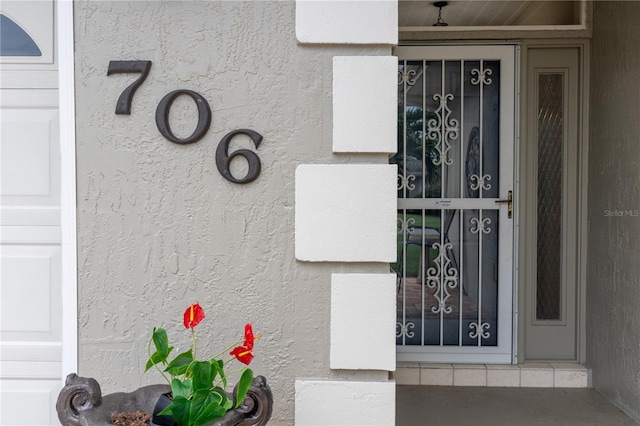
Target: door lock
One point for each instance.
(509, 202)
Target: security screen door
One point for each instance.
(455, 161)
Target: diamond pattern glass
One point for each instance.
(550, 142)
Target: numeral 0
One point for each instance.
(223, 157)
(204, 116)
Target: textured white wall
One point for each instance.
(159, 228)
(348, 403)
(613, 283)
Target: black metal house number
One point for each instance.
(223, 157)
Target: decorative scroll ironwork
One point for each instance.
(405, 329)
(406, 225)
(443, 129)
(445, 296)
(405, 182)
(442, 276)
(477, 182)
(479, 330)
(407, 76)
(480, 225)
(481, 76)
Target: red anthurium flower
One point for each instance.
(243, 353)
(193, 315)
(248, 336)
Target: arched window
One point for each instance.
(14, 41)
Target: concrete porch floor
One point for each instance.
(485, 406)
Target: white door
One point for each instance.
(455, 224)
(30, 237)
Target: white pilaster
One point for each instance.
(345, 403)
(346, 213)
(347, 21)
(363, 312)
(365, 92)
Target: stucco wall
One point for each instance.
(613, 286)
(159, 228)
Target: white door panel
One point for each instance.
(31, 297)
(46, 352)
(29, 402)
(30, 173)
(30, 223)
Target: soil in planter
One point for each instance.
(135, 418)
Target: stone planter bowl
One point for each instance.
(80, 403)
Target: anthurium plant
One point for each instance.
(199, 386)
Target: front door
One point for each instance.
(456, 114)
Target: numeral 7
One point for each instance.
(118, 67)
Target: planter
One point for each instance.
(163, 402)
(80, 403)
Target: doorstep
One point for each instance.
(527, 375)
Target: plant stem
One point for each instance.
(236, 371)
(156, 365)
(225, 350)
(229, 373)
(193, 339)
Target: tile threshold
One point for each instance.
(538, 375)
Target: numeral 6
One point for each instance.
(223, 158)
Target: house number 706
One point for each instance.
(223, 157)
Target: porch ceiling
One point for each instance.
(422, 13)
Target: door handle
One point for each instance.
(509, 202)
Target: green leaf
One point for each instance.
(243, 385)
(168, 410)
(222, 396)
(211, 412)
(155, 358)
(180, 363)
(181, 388)
(218, 367)
(161, 341)
(228, 404)
(201, 375)
(180, 410)
(201, 399)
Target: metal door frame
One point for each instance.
(505, 351)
